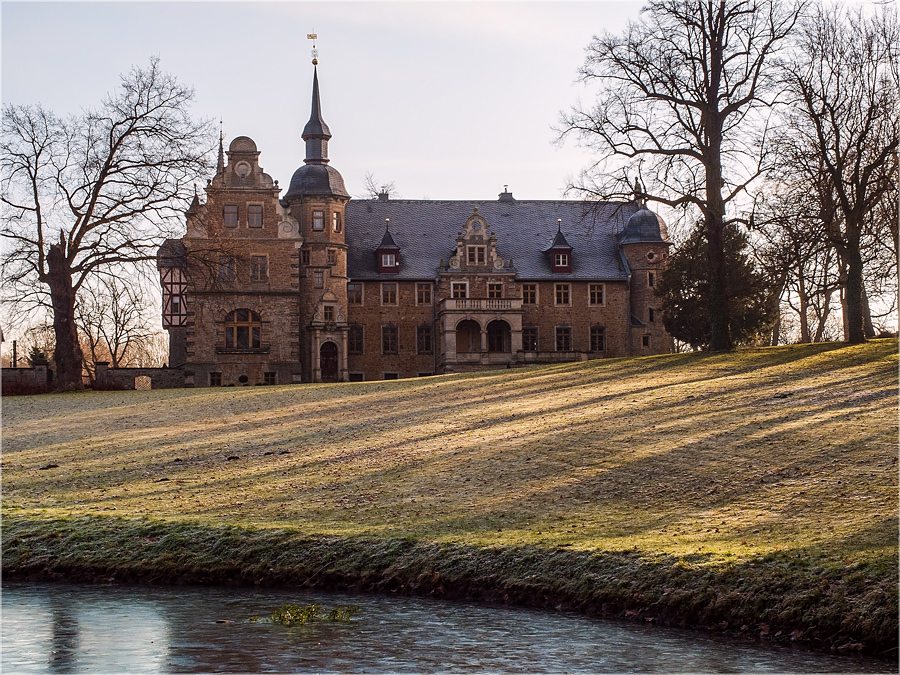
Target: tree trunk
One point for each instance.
(68, 355)
(868, 327)
(719, 315)
(853, 295)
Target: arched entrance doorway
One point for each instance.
(468, 337)
(328, 362)
(499, 337)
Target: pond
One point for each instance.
(74, 628)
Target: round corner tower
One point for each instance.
(316, 199)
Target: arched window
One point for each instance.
(242, 329)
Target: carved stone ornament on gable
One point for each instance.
(288, 227)
(328, 298)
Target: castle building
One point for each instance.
(317, 287)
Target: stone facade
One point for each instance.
(317, 287)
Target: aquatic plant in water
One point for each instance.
(295, 615)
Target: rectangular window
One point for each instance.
(356, 377)
(318, 220)
(328, 313)
(269, 378)
(259, 268)
(355, 339)
(230, 214)
(254, 215)
(530, 339)
(304, 257)
(529, 294)
(562, 294)
(561, 260)
(651, 314)
(215, 379)
(388, 294)
(651, 279)
(388, 260)
(389, 339)
(336, 221)
(596, 294)
(495, 290)
(354, 293)
(319, 279)
(226, 268)
(645, 340)
(459, 289)
(598, 338)
(424, 341)
(423, 294)
(331, 256)
(476, 255)
(563, 338)
(392, 376)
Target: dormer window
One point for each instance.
(387, 254)
(559, 255)
(476, 255)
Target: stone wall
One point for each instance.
(128, 378)
(37, 380)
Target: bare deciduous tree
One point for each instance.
(677, 91)
(843, 133)
(93, 191)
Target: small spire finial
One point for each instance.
(315, 51)
(220, 164)
(387, 224)
(559, 224)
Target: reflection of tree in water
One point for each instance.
(63, 655)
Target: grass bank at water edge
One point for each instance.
(753, 492)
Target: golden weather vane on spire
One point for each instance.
(315, 51)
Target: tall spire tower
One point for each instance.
(316, 133)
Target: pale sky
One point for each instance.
(449, 100)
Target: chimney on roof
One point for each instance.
(506, 195)
(384, 195)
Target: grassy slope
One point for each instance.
(756, 489)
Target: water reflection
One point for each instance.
(64, 628)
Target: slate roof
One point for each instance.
(426, 231)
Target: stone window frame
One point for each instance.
(259, 268)
(317, 222)
(527, 332)
(252, 212)
(355, 294)
(651, 279)
(318, 278)
(562, 295)
(356, 339)
(356, 377)
(598, 338)
(645, 340)
(230, 212)
(563, 341)
(215, 379)
(391, 376)
(227, 268)
(424, 293)
(529, 294)
(497, 288)
(424, 339)
(304, 256)
(331, 256)
(270, 377)
(459, 290)
(476, 255)
(337, 224)
(593, 291)
(651, 314)
(390, 293)
(328, 313)
(237, 326)
(390, 339)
